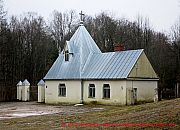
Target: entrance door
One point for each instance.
(21, 95)
(134, 95)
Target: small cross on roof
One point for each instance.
(81, 16)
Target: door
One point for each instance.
(21, 95)
(135, 95)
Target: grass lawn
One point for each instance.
(113, 118)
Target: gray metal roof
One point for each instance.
(25, 82)
(41, 83)
(112, 65)
(88, 62)
(82, 43)
(62, 69)
(19, 83)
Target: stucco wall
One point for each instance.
(20, 92)
(143, 68)
(73, 91)
(117, 92)
(41, 93)
(145, 89)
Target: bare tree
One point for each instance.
(2, 12)
(61, 27)
(176, 47)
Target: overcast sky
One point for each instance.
(161, 13)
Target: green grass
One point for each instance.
(161, 112)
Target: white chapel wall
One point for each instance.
(145, 89)
(117, 92)
(73, 91)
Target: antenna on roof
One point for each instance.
(82, 18)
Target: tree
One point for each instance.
(62, 26)
(103, 29)
(176, 47)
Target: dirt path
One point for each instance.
(10, 110)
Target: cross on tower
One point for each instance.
(81, 15)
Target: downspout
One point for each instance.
(132, 96)
(82, 89)
(126, 93)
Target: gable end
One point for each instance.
(143, 69)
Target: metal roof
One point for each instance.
(88, 62)
(25, 82)
(41, 83)
(112, 65)
(83, 44)
(19, 83)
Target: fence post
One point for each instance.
(41, 91)
(155, 95)
(25, 90)
(19, 89)
(178, 90)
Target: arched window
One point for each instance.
(91, 90)
(62, 90)
(106, 91)
(66, 55)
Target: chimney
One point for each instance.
(118, 47)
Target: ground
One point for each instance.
(9, 110)
(161, 115)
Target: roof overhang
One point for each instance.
(143, 79)
(130, 79)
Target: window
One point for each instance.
(62, 90)
(91, 90)
(66, 55)
(106, 91)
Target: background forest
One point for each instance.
(29, 45)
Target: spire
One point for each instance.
(82, 18)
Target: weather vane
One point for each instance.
(81, 15)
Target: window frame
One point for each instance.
(92, 91)
(62, 90)
(106, 91)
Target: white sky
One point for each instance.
(161, 13)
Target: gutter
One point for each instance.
(82, 89)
